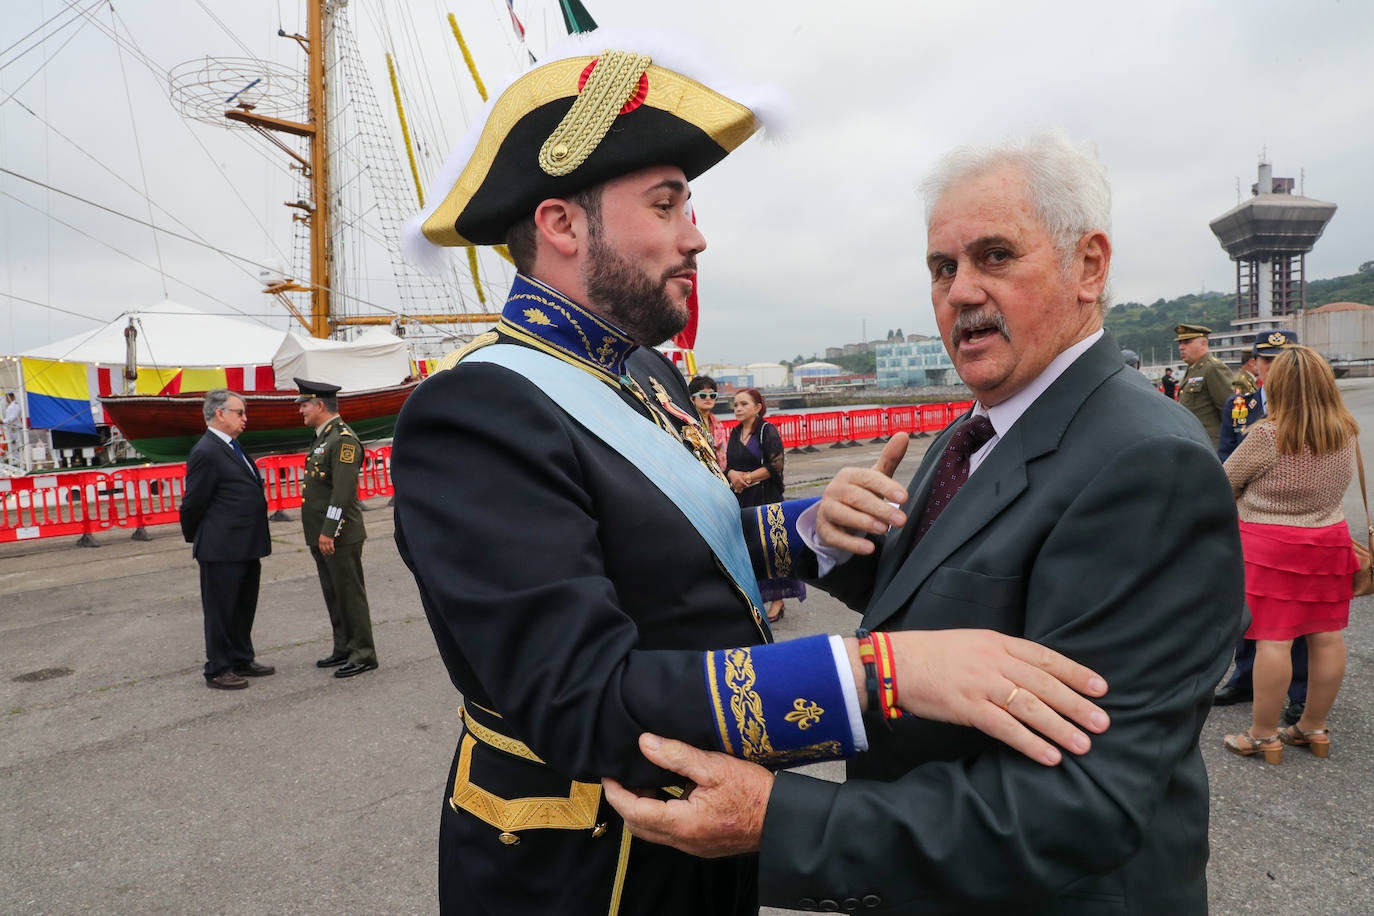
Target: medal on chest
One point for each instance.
(696, 439)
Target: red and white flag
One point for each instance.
(515, 20)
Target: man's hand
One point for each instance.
(1001, 685)
(326, 545)
(720, 815)
(856, 502)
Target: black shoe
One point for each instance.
(351, 669)
(1293, 712)
(331, 661)
(1232, 694)
(253, 669)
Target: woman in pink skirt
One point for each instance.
(1289, 475)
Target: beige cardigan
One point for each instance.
(1304, 491)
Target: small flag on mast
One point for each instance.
(515, 20)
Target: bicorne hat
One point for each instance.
(597, 109)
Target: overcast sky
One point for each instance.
(813, 239)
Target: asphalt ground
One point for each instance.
(128, 787)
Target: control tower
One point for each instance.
(1268, 236)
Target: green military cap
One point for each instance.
(1189, 331)
(309, 390)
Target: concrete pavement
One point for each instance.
(126, 786)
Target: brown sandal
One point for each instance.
(1246, 744)
(1318, 740)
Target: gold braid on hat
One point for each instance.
(612, 82)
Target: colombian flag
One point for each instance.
(58, 396)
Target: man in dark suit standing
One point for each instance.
(224, 517)
(1068, 458)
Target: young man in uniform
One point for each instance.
(1206, 387)
(332, 518)
(585, 569)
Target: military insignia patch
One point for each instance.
(1277, 340)
(348, 453)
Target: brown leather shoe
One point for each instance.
(226, 680)
(253, 669)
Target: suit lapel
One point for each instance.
(234, 457)
(996, 483)
(896, 548)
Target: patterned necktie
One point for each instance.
(953, 469)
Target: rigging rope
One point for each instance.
(142, 170)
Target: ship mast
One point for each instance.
(315, 213)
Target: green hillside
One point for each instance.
(1141, 327)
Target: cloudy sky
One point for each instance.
(814, 238)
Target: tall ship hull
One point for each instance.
(165, 427)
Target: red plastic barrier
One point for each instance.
(375, 479)
(931, 418)
(283, 476)
(792, 428)
(865, 424)
(54, 505)
(903, 419)
(149, 495)
(825, 427)
(84, 502)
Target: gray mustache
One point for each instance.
(983, 318)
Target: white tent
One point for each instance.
(376, 359)
(171, 335)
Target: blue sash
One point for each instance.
(708, 505)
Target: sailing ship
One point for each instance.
(353, 199)
(165, 427)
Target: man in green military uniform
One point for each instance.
(332, 518)
(1245, 381)
(1206, 387)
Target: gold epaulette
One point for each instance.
(452, 359)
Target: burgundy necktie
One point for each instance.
(953, 469)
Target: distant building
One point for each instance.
(766, 375)
(915, 364)
(815, 372)
(1343, 332)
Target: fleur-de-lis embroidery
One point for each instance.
(534, 316)
(606, 355)
(804, 713)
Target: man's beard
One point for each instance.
(630, 299)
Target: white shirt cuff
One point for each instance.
(851, 696)
(827, 558)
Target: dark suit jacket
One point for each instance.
(1053, 538)
(224, 509)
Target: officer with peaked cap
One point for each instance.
(585, 569)
(332, 518)
(1245, 412)
(1206, 387)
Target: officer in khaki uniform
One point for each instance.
(1245, 382)
(1206, 387)
(332, 518)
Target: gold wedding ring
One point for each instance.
(1011, 696)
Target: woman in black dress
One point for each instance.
(754, 467)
